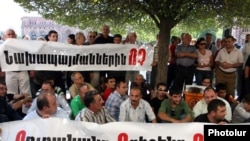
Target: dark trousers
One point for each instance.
(183, 75)
(171, 75)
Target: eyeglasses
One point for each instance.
(202, 44)
(91, 36)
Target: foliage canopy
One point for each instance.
(152, 16)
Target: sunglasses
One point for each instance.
(91, 36)
(202, 44)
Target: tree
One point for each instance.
(163, 14)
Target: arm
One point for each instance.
(74, 107)
(122, 116)
(166, 117)
(150, 112)
(64, 104)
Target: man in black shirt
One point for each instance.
(216, 113)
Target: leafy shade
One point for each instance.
(148, 15)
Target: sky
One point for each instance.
(11, 14)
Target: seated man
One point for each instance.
(161, 94)
(135, 108)
(241, 112)
(7, 113)
(15, 100)
(216, 112)
(47, 86)
(201, 106)
(78, 81)
(146, 90)
(46, 107)
(116, 98)
(94, 111)
(175, 109)
(76, 103)
(110, 87)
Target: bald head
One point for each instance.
(9, 33)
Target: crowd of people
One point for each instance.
(106, 96)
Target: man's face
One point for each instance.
(3, 90)
(161, 91)
(80, 39)
(209, 95)
(78, 80)
(222, 93)
(220, 113)
(105, 31)
(91, 37)
(53, 37)
(98, 104)
(117, 40)
(122, 89)
(135, 96)
(139, 80)
(111, 83)
(176, 99)
(206, 82)
(229, 42)
(9, 34)
(47, 88)
(187, 39)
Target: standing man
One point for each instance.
(17, 81)
(116, 98)
(186, 55)
(104, 37)
(228, 60)
(135, 108)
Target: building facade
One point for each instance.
(38, 26)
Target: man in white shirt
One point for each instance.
(201, 106)
(46, 107)
(135, 108)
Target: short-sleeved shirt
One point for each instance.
(185, 61)
(235, 56)
(178, 112)
(128, 113)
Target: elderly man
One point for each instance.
(78, 81)
(94, 111)
(135, 108)
(46, 107)
(209, 94)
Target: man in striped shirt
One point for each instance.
(94, 111)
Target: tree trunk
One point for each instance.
(163, 50)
